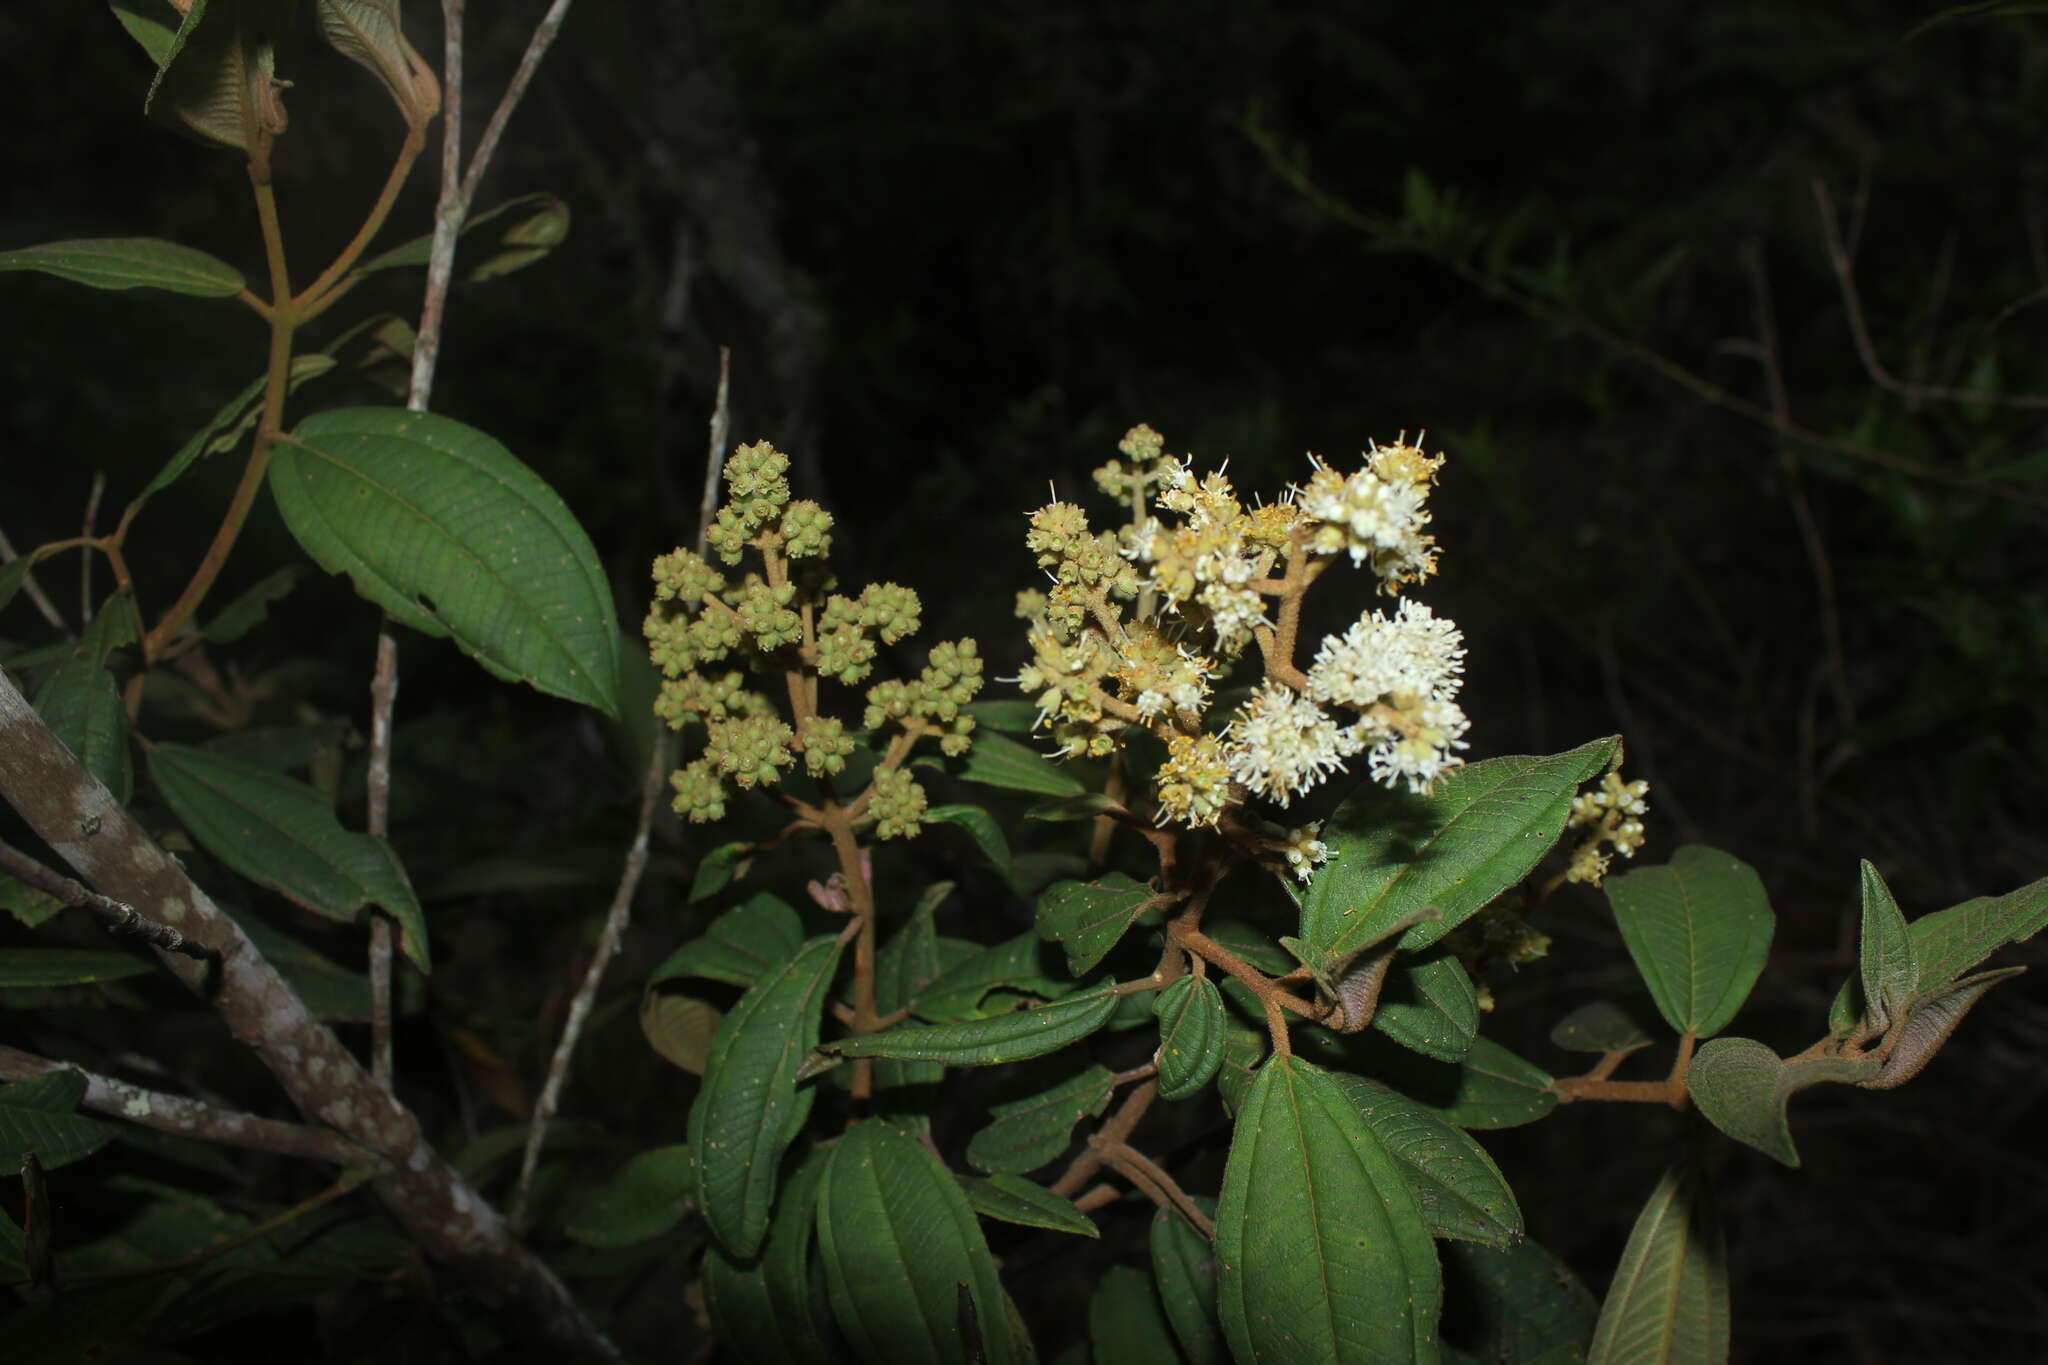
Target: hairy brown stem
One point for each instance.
(1114, 1132)
(1594, 1085)
(1161, 1188)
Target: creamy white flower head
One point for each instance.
(1415, 653)
(1233, 611)
(1304, 851)
(1374, 518)
(1281, 744)
(1414, 742)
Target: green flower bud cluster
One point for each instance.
(789, 623)
(898, 805)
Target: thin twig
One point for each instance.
(1843, 265)
(449, 208)
(659, 761)
(121, 917)
(536, 47)
(721, 426)
(347, 1184)
(383, 702)
(32, 589)
(607, 948)
(191, 1118)
(92, 514)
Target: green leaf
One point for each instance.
(26, 903)
(1184, 1271)
(1950, 942)
(718, 868)
(764, 1309)
(1321, 1253)
(250, 608)
(527, 228)
(15, 572)
(1012, 716)
(1031, 1132)
(1887, 968)
(1481, 830)
(999, 762)
(1012, 965)
(1126, 1321)
(1458, 1189)
(1013, 1199)
(643, 1199)
(1067, 809)
(1013, 1037)
(1930, 1019)
(1191, 1025)
(286, 748)
(369, 33)
(1252, 944)
(1243, 1049)
(43, 967)
(441, 526)
(130, 263)
(1491, 1088)
(982, 826)
(1669, 1299)
(282, 834)
(1742, 1088)
(1088, 918)
(739, 946)
(1430, 1006)
(225, 429)
(36, 1116)
(681, 1028)
(907, 964)
(1601, 1026)
(1519, 1303)
(13, 1251)
(82, 706)
(742, 1120)
(328, 989)
(897, 1236)
(1699, 929)
(152, 23)
(216, 73)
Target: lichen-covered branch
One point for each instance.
(80, 819)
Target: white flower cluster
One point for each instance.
(1402, 674)
(1377, 513)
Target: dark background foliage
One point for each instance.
(958, 249)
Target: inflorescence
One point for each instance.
(786, 621)
(1141, 625)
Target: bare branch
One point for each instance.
(1843, 264)
(32, 589)
(77, 817)
(121, 919)
(191, 1118)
